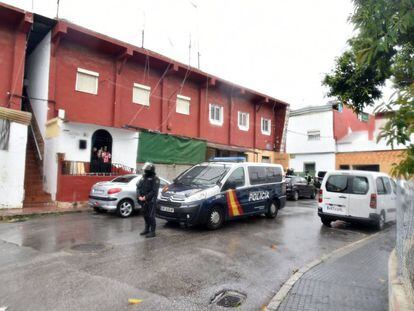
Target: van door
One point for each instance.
(390, 200)
(236, 194)
(336, 198)
(359, 197)
(258, 193)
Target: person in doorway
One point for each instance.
(99, 166)
(147, 193)
(94, 160)
(106, 159)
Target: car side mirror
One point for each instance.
(229, 185)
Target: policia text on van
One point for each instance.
(213, 192)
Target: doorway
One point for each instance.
(101, 152)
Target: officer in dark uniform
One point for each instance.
(147, 192)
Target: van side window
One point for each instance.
(274, 174)
(337, 183)
(360, 185)
(257, 175)
(387, 184)
(380, 186)
(235, 180)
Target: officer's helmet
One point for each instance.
(148, 168)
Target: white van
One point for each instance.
(357, 196)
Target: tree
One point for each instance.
(381, 50)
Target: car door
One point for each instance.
(359, 197)
(236, 195)
(336, 196)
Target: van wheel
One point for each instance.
(381, 221)
(272, 209)
(326, 221)
(125, 208)
(215, 218)
(295, 196)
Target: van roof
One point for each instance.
(354, 172)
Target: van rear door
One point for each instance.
(336, 196)
(360, 197)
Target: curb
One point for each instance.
(287, 286)
(10, 218)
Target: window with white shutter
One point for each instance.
(183, 104)
(216, 114)
(266, 126)
(141, 94)
(243, 121)
(87, 81)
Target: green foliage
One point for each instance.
(382, 49)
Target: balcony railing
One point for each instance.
(79, 168)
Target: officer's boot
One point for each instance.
(150, 234)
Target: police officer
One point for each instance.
(147, 192)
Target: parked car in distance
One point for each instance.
(357, 196)
(298, 187)
(118, 195)
(318, 179)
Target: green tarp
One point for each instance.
(167, 149)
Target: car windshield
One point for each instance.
(124, 179)
(203, 175)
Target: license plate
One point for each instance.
(167, 209)
(334, 209)
(98, 191)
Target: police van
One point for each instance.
(222, 189)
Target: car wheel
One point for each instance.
(381, 221)
(215, 218)
(295, 196)
(313, 195)
(326, 221)
(125, 208)
(272, 210)
(98, 210)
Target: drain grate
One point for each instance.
(228, 299)
(88, 247)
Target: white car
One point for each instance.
(357, 196)
(118, 195)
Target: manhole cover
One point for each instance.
(88, 247)
(228, 299)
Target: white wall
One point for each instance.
(168, 171)
(124, 149)
(297, 140)
(12, 168)
(323, 161)
(38, 80)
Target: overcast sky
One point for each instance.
(278, 47)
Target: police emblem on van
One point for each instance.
(258, 195)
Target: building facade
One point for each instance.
(89, 92)
(324, 138)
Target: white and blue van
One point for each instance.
(213, 192)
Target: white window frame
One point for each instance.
(314, 133)
(266, 131)
(218, 122)
(90, 73)
(141, 87)
(239, 118)
(189, 104)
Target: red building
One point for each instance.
(87, 90)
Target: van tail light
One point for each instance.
(320, 198)
(114, 190)
(373, 201)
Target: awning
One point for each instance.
(229, 148)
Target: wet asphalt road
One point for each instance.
(181, 269)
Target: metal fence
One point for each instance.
(405, 233)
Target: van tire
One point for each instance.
(295, 196)
(326, 221)
(272, 209)
(381, 221)
(215, 218)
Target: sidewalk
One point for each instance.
(15, 213)
(354, 281)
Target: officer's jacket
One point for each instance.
(148, 187)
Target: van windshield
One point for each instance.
(203, 175)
